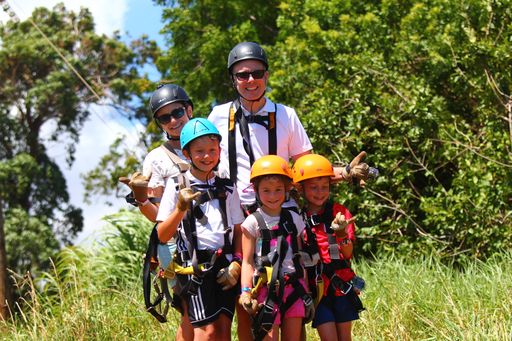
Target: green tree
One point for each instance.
(200, 34)
(40, 89)
(424, 87)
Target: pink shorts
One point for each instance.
(297, 308)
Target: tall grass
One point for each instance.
(422, 299)
(97, 296)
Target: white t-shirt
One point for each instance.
(210, 235)
(291, 140)
(251, 225)
(159, 167)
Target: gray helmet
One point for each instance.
(245, 51)
(167, 94)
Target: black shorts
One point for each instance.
(210, 300)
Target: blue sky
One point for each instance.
(131, 18)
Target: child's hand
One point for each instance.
(339, 224)
(250, 304)
(228, 277)
(185, 197)
(309, 308)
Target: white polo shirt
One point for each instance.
(291, 140)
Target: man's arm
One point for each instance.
(296, 157)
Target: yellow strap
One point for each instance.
(271, 120)
(262, 279)
(319, 291)
(231, 118)
(268, 269)
(174, 268)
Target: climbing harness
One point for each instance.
(268, 265)
(325, 276)
(236, 116)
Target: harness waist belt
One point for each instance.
(203, 256)
(329, 268)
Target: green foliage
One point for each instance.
(92, 294)
(40, 92)
(424, 90)
(30, 242)
(118, 162)
(201, 34)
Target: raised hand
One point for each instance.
(185, 197)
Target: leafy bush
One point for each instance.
(424, 87)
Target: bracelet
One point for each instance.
(237, 257)
(246, 289)
(143, 203)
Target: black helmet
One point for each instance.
(245, 51)
(167, 94)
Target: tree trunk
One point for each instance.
(4, 286)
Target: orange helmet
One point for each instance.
(311, 166)
(270, 165)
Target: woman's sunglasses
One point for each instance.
(256, 74)
(176, 114)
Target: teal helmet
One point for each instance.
(195, 128)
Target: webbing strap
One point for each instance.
(236, 115)
(189, 224)
(222, 196)
(272, 132)
(234, 111)
(311, 246)
(286, 228)
(265, 234)
(147, 283)
(298, 292)
(171, 153)
(282, 247)
(195, 212)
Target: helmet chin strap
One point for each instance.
(172, 138)
(214, 169)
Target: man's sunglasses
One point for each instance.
(256, 74)
(176, 114)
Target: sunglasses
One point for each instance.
(256, 74)
(176, 114)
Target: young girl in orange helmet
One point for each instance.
(270, 248)
(328, 239)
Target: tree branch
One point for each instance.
(396, 207)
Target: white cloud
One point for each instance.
(108, 15)
(97, 134)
